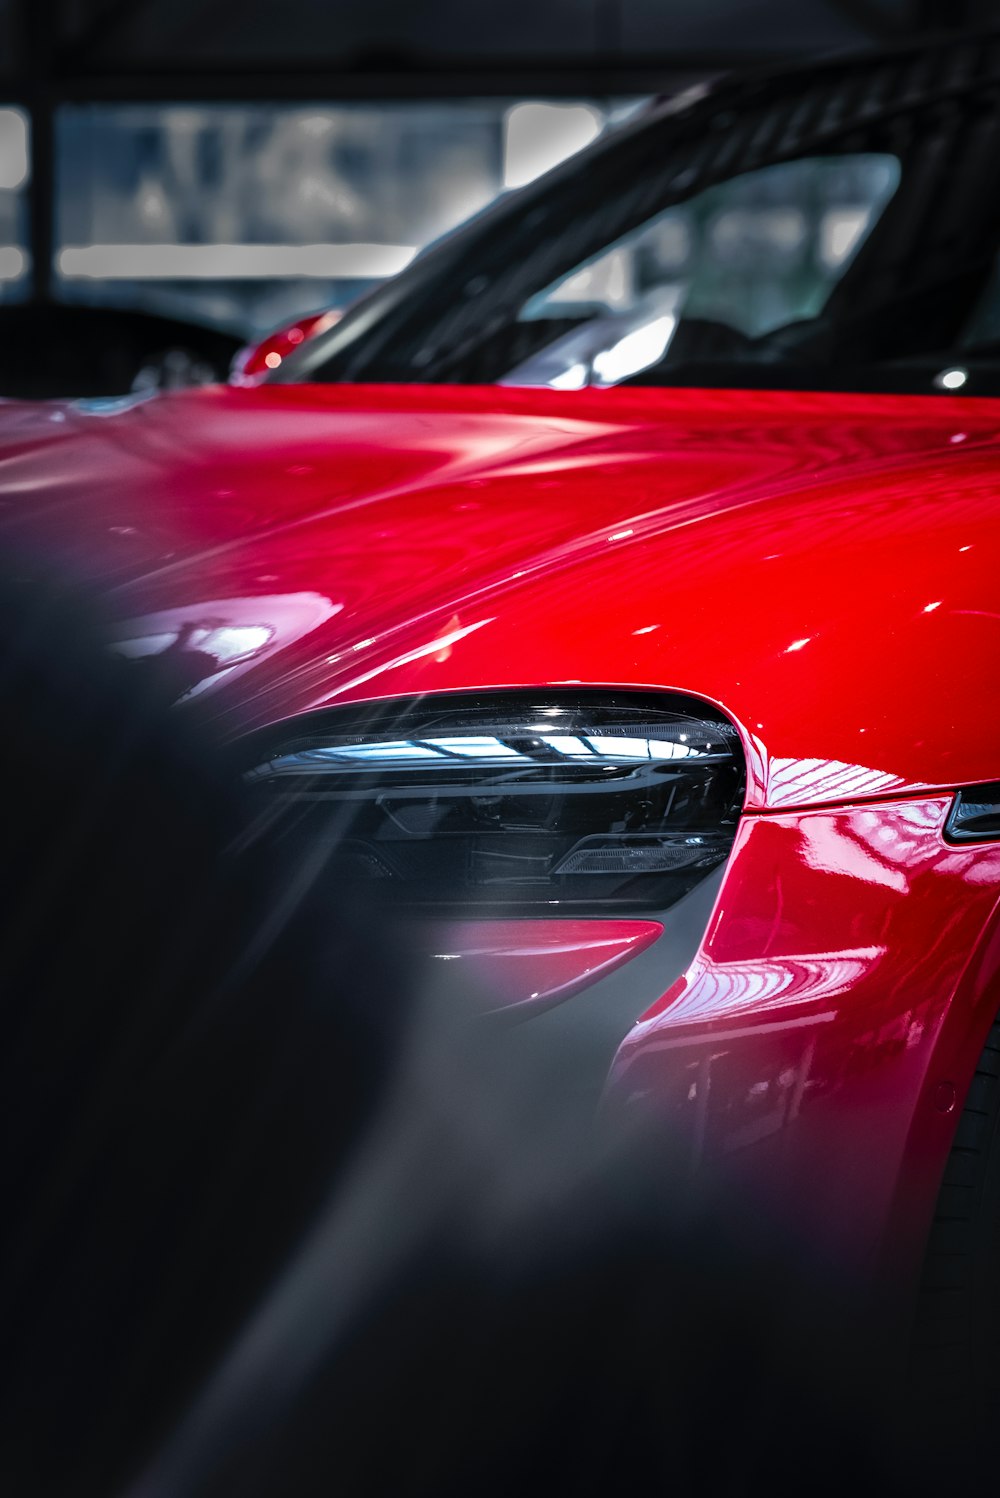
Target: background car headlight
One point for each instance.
(513, 801)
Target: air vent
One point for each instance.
(975, 815)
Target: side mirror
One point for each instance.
(254, 361)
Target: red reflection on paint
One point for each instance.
(533, 964)
(812, 1031)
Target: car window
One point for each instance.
(831, 230)
(749, 256)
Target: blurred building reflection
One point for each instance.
(246, 216)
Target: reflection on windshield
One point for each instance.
(605, 350)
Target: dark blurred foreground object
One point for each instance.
(182, 1070)
(276, 1222)
(49, 351)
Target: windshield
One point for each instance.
(830, 232)
(732, 265)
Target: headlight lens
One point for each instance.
(511, 801)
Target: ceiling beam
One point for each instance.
(161, 84)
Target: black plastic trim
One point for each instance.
(975, 815)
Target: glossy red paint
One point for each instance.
(817, 564)
(825, 568)
(825, 1010)
(533, 964)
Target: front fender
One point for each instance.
(821, 1041)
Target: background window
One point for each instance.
(247, 216)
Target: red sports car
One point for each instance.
(616, 593)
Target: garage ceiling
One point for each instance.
(83, 37)
(345, 33)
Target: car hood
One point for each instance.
(824, 567)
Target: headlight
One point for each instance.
(580, 802)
